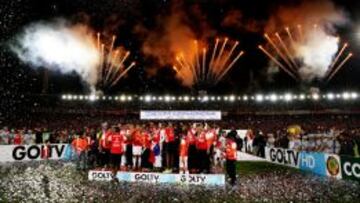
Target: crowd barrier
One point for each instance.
(154, 178)
(323, 164)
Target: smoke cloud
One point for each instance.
(169, 39)
(235, 19)
(319, 44)
(174, 36)
(317, 54)
(60, 46)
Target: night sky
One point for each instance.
(122, 17)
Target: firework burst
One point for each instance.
(306, 53)
(207, 65)
(113, 64)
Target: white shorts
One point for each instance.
(183, 161)
(123, 160)
(136, 150)
(217, 154)
(158, 162)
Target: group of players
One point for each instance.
(191, 148)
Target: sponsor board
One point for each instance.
(201, 179)
(281, 156)
(322, 164)
(13, 153)
(101, 175)
(180, 115)
(333, 166)
(197, 179)
(350, 168)
(313, 162)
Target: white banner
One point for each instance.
(13, 153)
(282, 156)
(194, 179)
(101, 175)
(180, 115)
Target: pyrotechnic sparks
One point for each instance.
(305, 54)
(61, 46)
(208, 66)
(112, 66)
(338, 67)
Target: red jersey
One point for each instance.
(170, 135)
(80, 144)
(191, 137)
(184, 146)
(146, 140)
(156, 137)
(201, 143)
(136, 137)
(104, 139)
(116, 144)
(210, 137)
(230, 151)
(17, 139)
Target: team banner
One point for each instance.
(180, 115)
(13, 153)
(350, 168)
(195, 179)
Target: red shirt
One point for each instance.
(156, 137)
(210, 137)
(104, 139)
(170, 135)
(17, 139)
(201, 143)
(137, 141)
(80, 144)
(230, 151)
(116, 144)
(146, 140)
(184, 146)
(191, 137)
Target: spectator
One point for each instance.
(239, 142)
(261, 143)
(29, 137)
(270, 140)
(38, 136)
(346, 145)
(4, 136)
